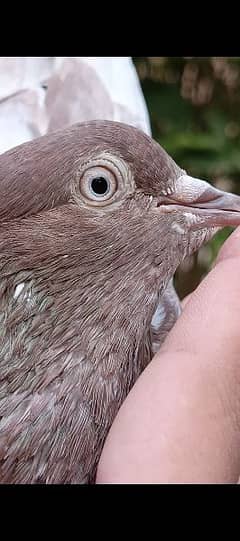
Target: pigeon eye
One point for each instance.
(103, 180)
(98, 184)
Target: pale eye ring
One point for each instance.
(104, 180)
(98, 184)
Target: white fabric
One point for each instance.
(78, 88)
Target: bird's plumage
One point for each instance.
(81, 276)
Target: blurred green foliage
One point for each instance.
(194, 107)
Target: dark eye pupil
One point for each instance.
(99, 185)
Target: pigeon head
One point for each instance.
(94, 220)
(103, 212)
(117, 196)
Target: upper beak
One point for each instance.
(210, 207)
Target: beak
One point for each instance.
(207, 206)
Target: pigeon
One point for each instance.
(94, 220)
(41, 95)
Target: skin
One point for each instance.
(181, 421)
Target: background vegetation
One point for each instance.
(194, 107)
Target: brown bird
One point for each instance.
(94, 220)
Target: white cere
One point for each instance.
(189, 189)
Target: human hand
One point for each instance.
(181, 421)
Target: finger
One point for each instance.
(181, 421)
